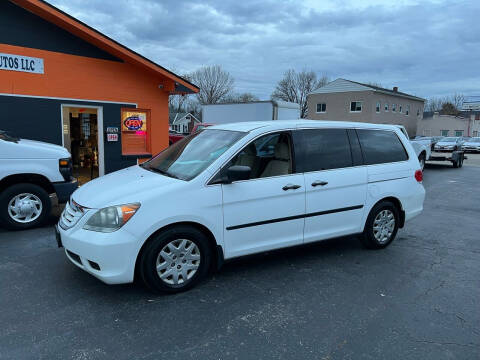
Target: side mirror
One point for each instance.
(238, 172)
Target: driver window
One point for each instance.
(269, 155)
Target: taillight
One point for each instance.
(419, 176)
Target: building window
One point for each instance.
(356, 106)
(475, 133)
(418, 112)
(321, 108)
(427, 132)
(458, 132)
(135, 131)
(407, 110)
(386, 107)
(400, 109)
(377, 108)
(444, 132)
(394, 107)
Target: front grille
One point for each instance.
(70, 215)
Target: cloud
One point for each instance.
(427, 48)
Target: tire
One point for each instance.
(369, 239)
(35, 204)
(180, 246)
(421, 160)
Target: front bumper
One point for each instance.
(109, 257)
(64, 189)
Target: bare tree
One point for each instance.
(457, 100)
(295, 87)
(240, 98)
(214, 83)
(454, 103)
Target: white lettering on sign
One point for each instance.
(21, 63)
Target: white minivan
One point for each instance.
(238, 189)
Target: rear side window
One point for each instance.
(381, 146)
(322, 149)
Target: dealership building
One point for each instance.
(63, 82)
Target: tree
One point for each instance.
(240, 98)
(215, 84)
(449, 108)
(453, 104)
(295, 87)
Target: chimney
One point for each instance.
(395, 89)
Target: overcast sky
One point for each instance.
(426, 48)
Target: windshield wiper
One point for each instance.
(163, 172)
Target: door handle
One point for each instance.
(291, 187)
(319, 183)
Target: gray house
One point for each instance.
(434, 124)
(347, 100)
(182, 122)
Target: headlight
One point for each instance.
(111, 218)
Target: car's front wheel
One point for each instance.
(23, 206)
(175, 259)
(381, 226)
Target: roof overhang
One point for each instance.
(76, 27)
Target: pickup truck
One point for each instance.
(422, 148)
(33, 175)
(174, 136)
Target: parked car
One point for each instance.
(449, 144)
(212, 196)
(174, 136)
(200, 126)
(31, 172)
(472, 145)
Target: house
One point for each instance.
(182, 122)
(63, 82)
(347, 100)
(435, 124)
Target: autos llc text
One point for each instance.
(21, 63)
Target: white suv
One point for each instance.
(238, 189)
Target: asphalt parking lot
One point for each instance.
(417, 299)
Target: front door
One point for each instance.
(265, 212)
(335, 183)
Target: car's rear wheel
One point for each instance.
(175, 260)
(421, 160)
(381, 226)
(23, 206)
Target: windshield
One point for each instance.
(450, 139)
(474, 140)
(190, 156)
(8, 137)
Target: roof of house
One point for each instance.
(172, 117)
(344, 85)
(76, 27)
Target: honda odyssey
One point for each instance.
(237, 189)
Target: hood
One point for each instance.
(121, 187)
(471, 143)
(446, 143)
(35, 150)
